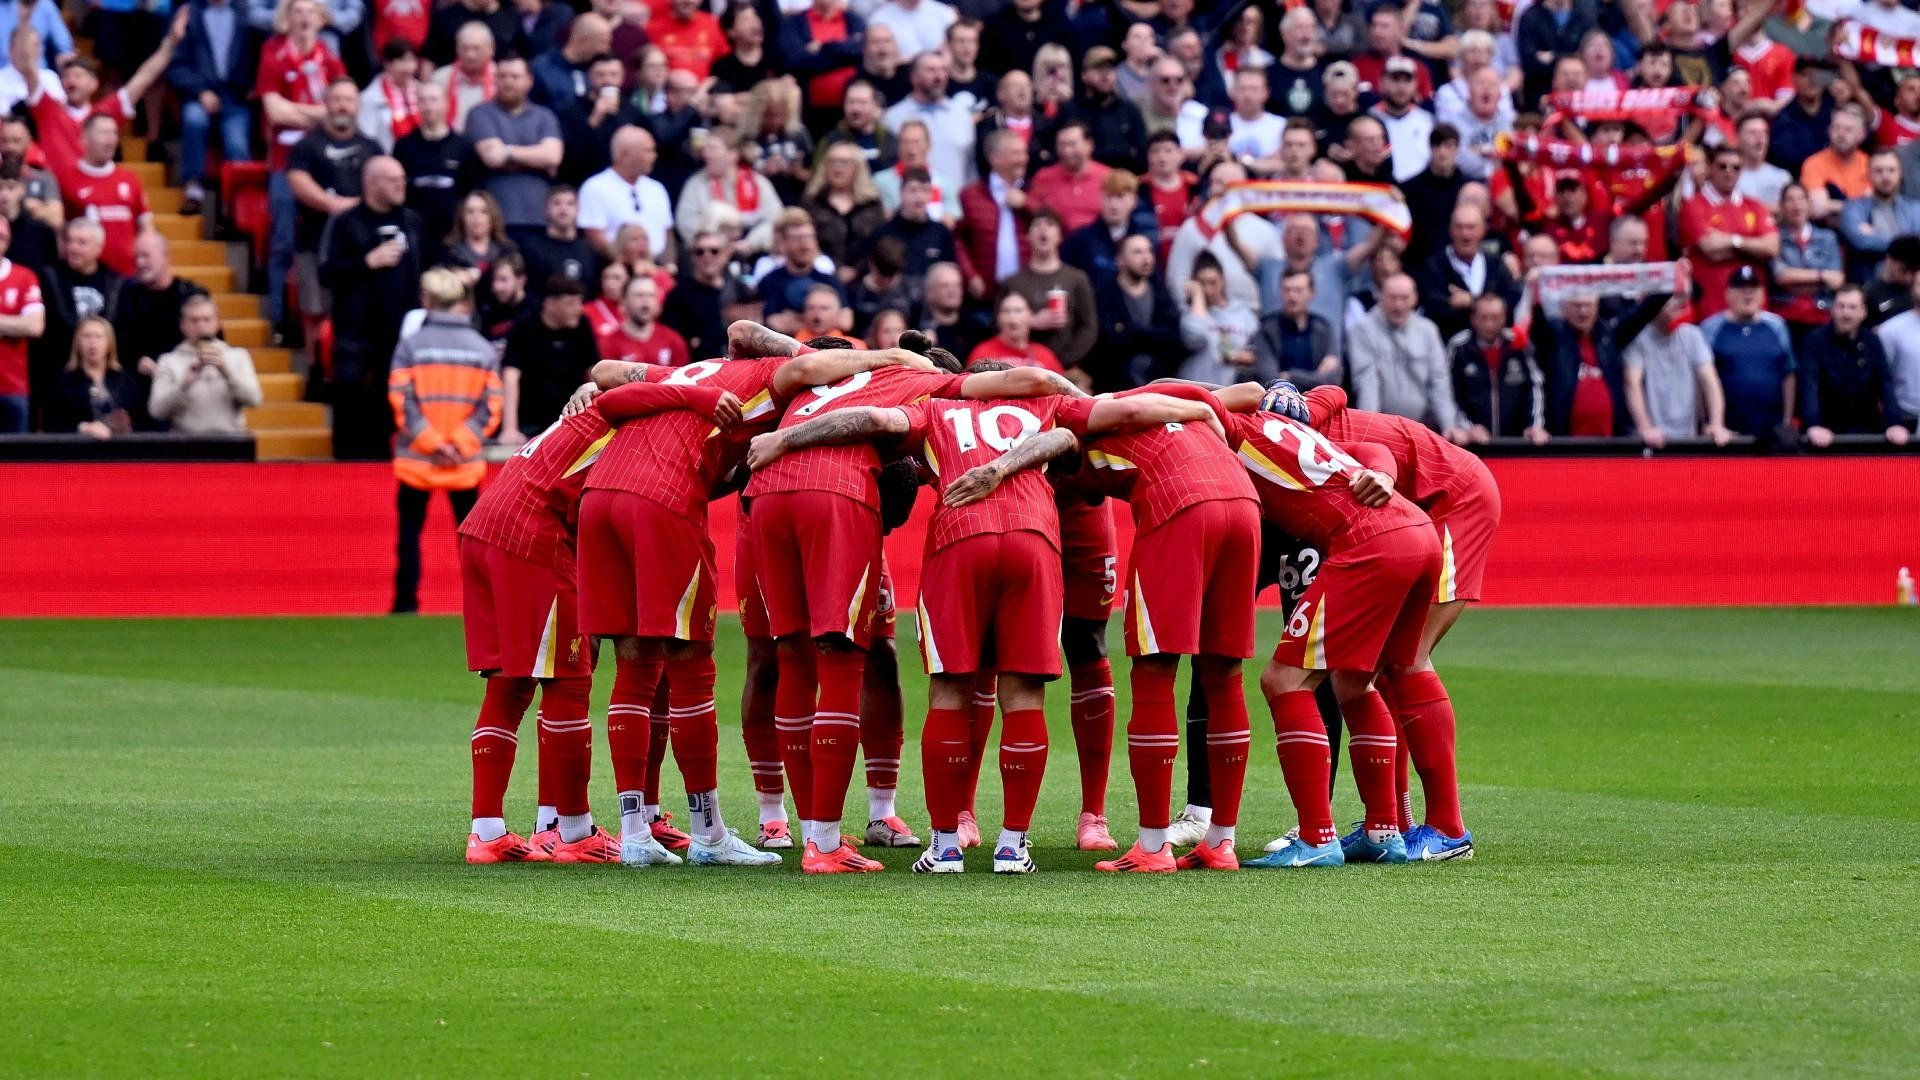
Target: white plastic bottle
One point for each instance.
(1903, 589)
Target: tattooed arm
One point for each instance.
(829, 366)
(1018, 382)
(838, 426)
(979, 482)
(746, 338)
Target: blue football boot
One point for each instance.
(1428, 844)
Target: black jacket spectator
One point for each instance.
(147, 323)
(1119, 131)
(1556, 346)
(334, 164)
(195, 68)
(552, 365)
(698, 312)
(1010, 42)
(509, 34)
(1438, 276)
(1294, 350)
(69, 296)
(76, 400)
(1134, 351)
(1431, 200)
(845, 238)
(927, 242)
(368, 305)
(1844, 382)
(440, 173)
(672, 132)
(1539, 32)
(573, 258)
(1499, 388)
(34, 245)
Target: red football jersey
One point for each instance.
(664, 346)
(19, 295)
(1769, 67)
(1430, 468)
(674, 457)
(1162, 470)
(953, 435)
(301, 78)
(116, 200)
(1301, 477)
(853, 469)
(531, 503)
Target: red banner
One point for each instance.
(217, 539)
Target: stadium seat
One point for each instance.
(243, 188)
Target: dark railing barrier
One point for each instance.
(1739, 446)
(137, 446)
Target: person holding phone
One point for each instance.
(203, 384)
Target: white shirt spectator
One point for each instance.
(13, 88)
(1896, 20)
(607, 202)
(1006, 243)
(918, 26)
(1764, 183)
(1255, 233)
(949, 126)
(1190, 126)
(1671, 366)
(1407, 136)
(201, 399)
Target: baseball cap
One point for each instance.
(1101, 56)
(1341, 71)
(1401, 65)
(1744, 277)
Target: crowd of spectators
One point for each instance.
(1022, 178)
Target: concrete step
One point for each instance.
(133, 148)
(198, 252)
(299, 444)
(248, 333)
(239, 305)
(216, 279)
(271, 361)
(281, 386)
(152, 174)
(284, 415)
(164, 200)
(174, 227)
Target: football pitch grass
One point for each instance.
(232, 848)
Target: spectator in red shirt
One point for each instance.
(1070, 187)
(1386, 30)
(1722, 230)
(691, 37)
(1577, 227)
(1013, 344)
(641, 338)
(1169, 187)
(108, 192)
(23, 317)
(295, 69)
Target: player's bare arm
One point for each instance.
(1147, 410)
(1370, 487)
(1018, 383)
(581, 399)
(746, 338)
(979, 482)
(608, 374)
(829, 366)
(839, 426)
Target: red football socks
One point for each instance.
(1153, 741)
(882, 733)
(836, 730)
(1370, 747)
(762, 739)
(657, 736)
(1228, 736)
(1426, 720)
(1306, 761)
(566, 742)
(495, 738)
(1091, 709)
(986, 688)
(695, 728)
(630, 719)
(1390, 691)
(1023, 761)
(793, 704)
(944, 759)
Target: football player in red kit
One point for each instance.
(517, 575)
(817, 536)
(1189, 593)
(990, 590)
(1457, 491)
(1367, 605)
(647, 567)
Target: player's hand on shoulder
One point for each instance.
(765, 450)
(727, 411)
(975, 484)
(580, 401)
(1371, 488)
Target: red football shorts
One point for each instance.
(1367, 606)
(746, 579)
(886, 609)
(992, 602)
(645, 571)
(520, 616)
(1466, 527)
(818, 556)
(1190, 582)
(1089, 560)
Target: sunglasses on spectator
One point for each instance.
(1727, 166)
(706, 251)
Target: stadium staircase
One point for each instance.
(284, 426)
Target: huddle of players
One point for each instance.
(1020, 563)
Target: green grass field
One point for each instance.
(232, 848)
